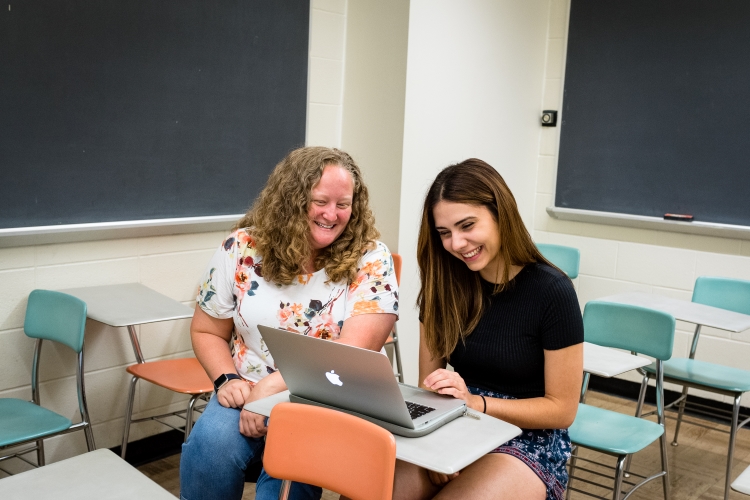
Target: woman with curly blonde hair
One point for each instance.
(305, 258)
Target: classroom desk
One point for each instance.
(128, 305)
(742, 483)
(90, 476)
(448, 449)
(684, 310)
(607, 362)
(700, 315)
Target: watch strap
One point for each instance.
(223, 379)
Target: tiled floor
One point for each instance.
(696, 466)
(166, 473)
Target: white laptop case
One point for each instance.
(356, 381)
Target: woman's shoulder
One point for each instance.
(376, 261)
(375, 250)
(240, 239)
(543, 275)
(545, 272)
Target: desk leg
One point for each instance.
(584, 386)
(732, 438)
(136, 344)
(128, 417)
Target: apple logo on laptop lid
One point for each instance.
(333, 378)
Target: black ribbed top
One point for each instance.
(505, 353)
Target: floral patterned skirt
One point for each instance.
(545, 451)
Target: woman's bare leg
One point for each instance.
(412, 483)
(496, 476)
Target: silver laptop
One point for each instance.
(357, 381)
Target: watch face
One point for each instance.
(221, 380)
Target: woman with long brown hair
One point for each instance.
(305, 258)
(509, 323)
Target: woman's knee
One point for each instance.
(412, 482)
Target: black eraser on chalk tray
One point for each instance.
(682, 217)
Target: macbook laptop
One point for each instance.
(357, 381)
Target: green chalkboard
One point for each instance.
(146, 109)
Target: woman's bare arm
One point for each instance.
(563, 374)
(427, 364)
(369, 331)
(210, 338)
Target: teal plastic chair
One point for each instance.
(568, 259)
(61, 318)
(639, 330)
(725, 293)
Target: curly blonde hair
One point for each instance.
(279, 223)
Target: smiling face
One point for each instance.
(330, 206)
(470, 233)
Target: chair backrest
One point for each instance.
(568, 259)
(331, 449)
(397, 266)
(726, 293)
(628, 327)
(56, 316)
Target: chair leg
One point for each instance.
(89, 432)
(619, 472)
(189, 415)
(584, 387)
(128, 417)
(679, 415)
(397, 355)
(641, 396)
(573, 457)
(40, 452)
(732, 438)
(638, 411)
(286, 485)
(664, 464)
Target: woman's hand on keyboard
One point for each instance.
(447, 382)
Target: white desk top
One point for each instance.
(91, 476)
(448, 449)
(129, 304)
(684, 310)
(742, 483)
(607, 362)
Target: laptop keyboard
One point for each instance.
(416, 411)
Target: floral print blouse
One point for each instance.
(233, 287)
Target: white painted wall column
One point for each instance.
(473, 89)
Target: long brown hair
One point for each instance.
(278, 220)
(450, 298)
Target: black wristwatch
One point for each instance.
(223, 379)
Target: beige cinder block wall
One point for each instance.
(171, 265)
(618, 259)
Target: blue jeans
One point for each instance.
(215, 457)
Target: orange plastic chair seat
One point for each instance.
(331, 449)
(184, 375)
